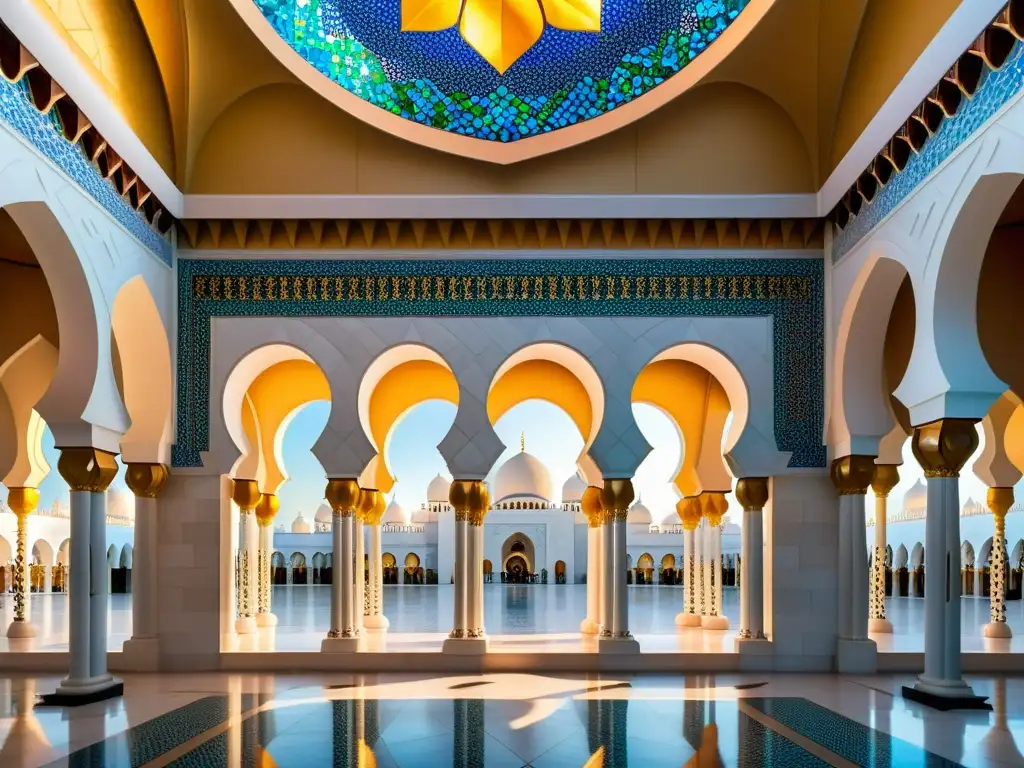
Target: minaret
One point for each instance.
(522, 442)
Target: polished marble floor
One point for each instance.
(508, 720)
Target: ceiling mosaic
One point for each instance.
(499, 70)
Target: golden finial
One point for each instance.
(522, 442)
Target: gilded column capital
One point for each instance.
(886, 477)
(246, 494)
(343, 496)
(365, 506)
(616, 496)
(852, 475)
(690, 512)
(944, 446)
(591, 504)
(714, 505)
(999, 501)
(752, 492)
(87, 469)
(22, 501)
(266, 509)
(375, 514)
(146, 481)
(470, 498)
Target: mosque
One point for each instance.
(805, 255)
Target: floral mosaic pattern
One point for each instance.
(439, 80)
(43, 133)
(798, 320)
(995, 91)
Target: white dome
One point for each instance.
(422, 516)
(395, 514)
(572, 490)
(669, 521)
(638, 515)
(438, 490)
(523, 477)
(301, 525)
(324, 514)
(120, 505)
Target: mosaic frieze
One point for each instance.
(499, 71)
(790, 291)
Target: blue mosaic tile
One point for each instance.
(44, 134)
(437, 79)
(996, 90)
(528, 288)
(847, 738)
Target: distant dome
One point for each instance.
(395, 514)
(301, 525)
(572, 491)
(121, 506)
(916, 499)
(438, 490)
(669, 521)
(422, 516)
(523, 477)
(972, 507)
(638, 515)
(323, 514)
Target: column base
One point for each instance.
(716, 623)
(466, 646)
(376, 622)
(945, 695)
(880, 626)
(857, 657)
(340, 645)
(266, 620)
(21, 630)
(75, 693)
(589, 627)
(687, 620)
(998, 630)
(141, 654)
(760, 646)
(246, 626)
(618, 645)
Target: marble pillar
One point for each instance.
(616, 496)
(606, 539)
(266, 511)
(885, 479)
(22, 501)
(999, 502)
(146, 481)
(344, 496)
(375, 618)
(689, 512)
(942, 448)
(752, 493)
(359, 587)
(88, 473)
(471, 500)
(591, 503)
(852, 477)
(246, 495)
(714, 506)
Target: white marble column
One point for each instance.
(21, 501)
(460, 621)
(471, 501)
(475, 568)
(591, 503)
(689, 512)
(146, 481)
(885, 479)
(360, 592)
(942, 447)
(266, 511)
(852, 477)
(344, 496)
(246, 495)
(999, 502)
(606, 539)
(714, 506)
(616, 496)
(376, 619)
(703, 569)
(752, 493)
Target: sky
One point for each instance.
(550, 435)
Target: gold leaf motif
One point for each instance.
(501, 30)
(573, 15)
(429, 15)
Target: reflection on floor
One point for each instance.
(508, 720)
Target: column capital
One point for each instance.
(246, 494)
(87, 469)
(471, 500)
(690, 512)
(22, 501)
(752, 492)
(343, 495)
(591, 504)
(616, 496)
(851, 475)
(714, 506)
(999, 501)
(885, 479)
(146, 480)
(367, 503)
(266, 509)
(944, 446)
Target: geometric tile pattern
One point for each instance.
(996, 90)
(789, 291)
(42, 133)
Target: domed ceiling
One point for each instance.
(497, 72)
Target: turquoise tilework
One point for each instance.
(798, 322)
(43, 133)
(995, 91)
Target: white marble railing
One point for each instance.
(396, 528)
